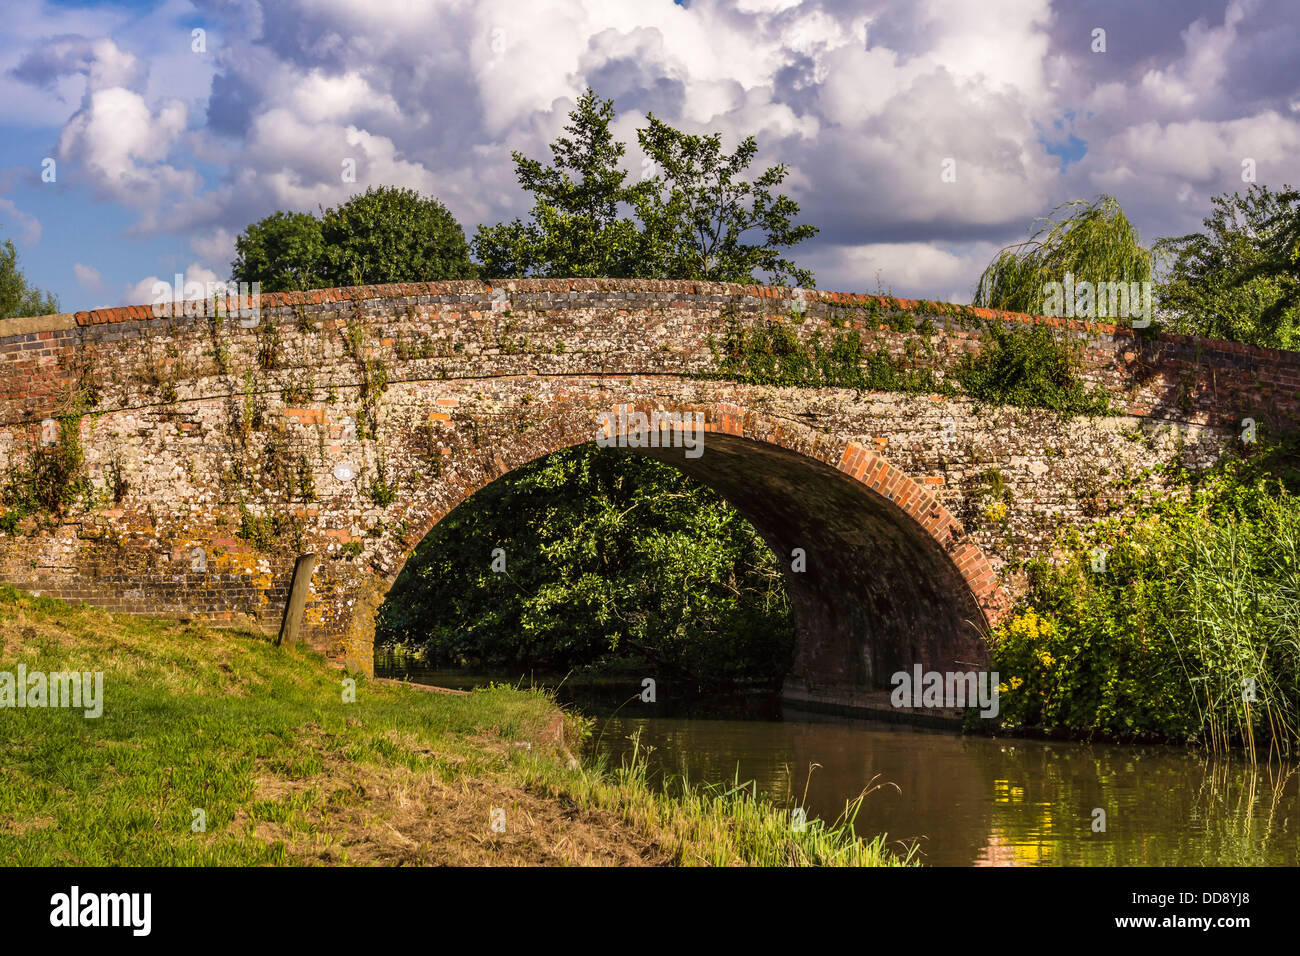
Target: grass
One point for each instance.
(720, 825)
(284, 771)
(1190, 631)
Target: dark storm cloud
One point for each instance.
(231, 105)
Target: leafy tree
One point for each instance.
(1282, 262)
(689, 220)
(1230, 280)
(392, 235)
(610, 559)
(698, 210)
(575, 229)
(382, 235)
(1092, 240)
(283, 252)
(18, 297)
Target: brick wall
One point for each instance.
(204, 426)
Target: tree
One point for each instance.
(1093, 241)
(382, 235)
(690, 220)
(575, 230)
(1282, 263)
(1229, 281)
(18, 297)
(283, 252)
(698, 210)
(392, 235)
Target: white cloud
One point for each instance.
(216, 247)
(87, 277)
(1202, 151)
(101, 61)
(145, 292)
(906, 269)
(29, 227)
(122, 144)
(32, 30)
(863, 100)
(318, 98)
(1193, 82)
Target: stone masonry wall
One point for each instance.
(202, 434)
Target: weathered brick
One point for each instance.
(879, 489)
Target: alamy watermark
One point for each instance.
(624, 429)
(82, 690)
(947, 689)
(240, 300)
(1081, 299)
(75, 908)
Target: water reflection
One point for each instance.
(975, 801)
(964, 801)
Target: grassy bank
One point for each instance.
(284, 771)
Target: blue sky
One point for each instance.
(167, 145)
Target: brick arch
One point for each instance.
(865, 488)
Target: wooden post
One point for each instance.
(298, 588)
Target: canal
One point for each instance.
(966, 800)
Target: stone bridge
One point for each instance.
(199, 455)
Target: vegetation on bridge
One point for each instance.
(50, 479)
(1030, 367)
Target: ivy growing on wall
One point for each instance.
(271, 531)
(773, 353)
(1029, 367)
(48, 481)
(374, 377)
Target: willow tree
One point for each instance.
(1091, 241)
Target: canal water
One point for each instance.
(969, 800)
(977, 801)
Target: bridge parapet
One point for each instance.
(577, 326)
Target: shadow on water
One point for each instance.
(964, 800)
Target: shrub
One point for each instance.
(1191, 631)
(50, 479)
(1030, 367)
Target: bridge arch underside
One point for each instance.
(878, 593)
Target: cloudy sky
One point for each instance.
(165, 143)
